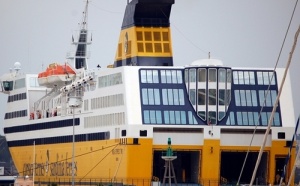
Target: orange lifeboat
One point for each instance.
(56, 75)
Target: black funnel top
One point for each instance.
(147, 13)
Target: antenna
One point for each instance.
(17, 67)
(80, 56)
(85, 16)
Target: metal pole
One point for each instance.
(73, 149)
(33, 171)
(169, 164)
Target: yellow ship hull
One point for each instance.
(95, 161)
(128, 161)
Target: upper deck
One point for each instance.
(194, 95)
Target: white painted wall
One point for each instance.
(286, 100)
(244, 140)
(178, 138)
(132, 95)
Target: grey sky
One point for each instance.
(240, 33)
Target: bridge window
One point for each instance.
(276, 119)
(241, 77)
(265, 78)
(243, 97)
(248, 97)
(212, 117)
(193, 96)
(221, 97)
(212, 97)
(20, 83)
(173, 96)
(221, 115)
(175, 117)
(150, 96)
(171, 76)
(192, 75)
(222, 75)
(152, 117)
(149, 76)
(202, 75)
(8, 85)
(110, 80)
(269, 97)
(33, 82)
(264, 118)
(201, 97)
(192, 119)
(212, 75)
(244, 77)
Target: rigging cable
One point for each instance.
(63, 160)
(185, 36)
(297, 156)
(117, 170)
(190, 40)
(288, 156)
(104, 10)
(274, 107)
(98, 163)
(275, 67)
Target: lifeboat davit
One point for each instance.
(56, 75)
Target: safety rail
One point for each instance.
(126, 182)
(94, 182)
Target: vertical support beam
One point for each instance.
(169, 171)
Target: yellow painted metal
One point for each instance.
(210, 162)
(144, 42)
(129, 162)
(280, 150)
(139, 162)
(104, 160)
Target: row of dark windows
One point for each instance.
(42, 126)
(152, 96)
(60, 139)
(220, 75)
(15, 114)
(253, 118)
(168, 117)
(165, 76)
(254, 77)
(249, 97)
(210, 97)
(16, 97)
(10, 85)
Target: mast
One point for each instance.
(33, 172)
(85, 16)
(80, 56)
(275, 105)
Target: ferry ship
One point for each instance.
(115, 125)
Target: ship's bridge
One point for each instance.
(208, 84)
(207, 92)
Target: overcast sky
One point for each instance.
(240, 33)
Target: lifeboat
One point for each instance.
(56, 75)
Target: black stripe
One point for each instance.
(60, 139)
(42, 126)
(147, 13)
(145, 61)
